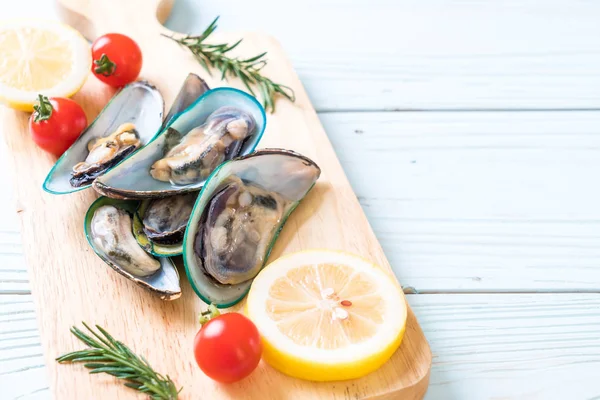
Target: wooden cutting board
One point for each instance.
(71, 284)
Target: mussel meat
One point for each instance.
(223, 123)
(111, 232)
(237, 230)
(203, 148)
(164, 220)
(104, 153)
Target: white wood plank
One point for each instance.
(13, 270)
(22, 370)
(25, 383)
(408, 54)
(490, 201)
(434, 54)
(541, 346)
(537, 346)
(35, 387)
(39, 394)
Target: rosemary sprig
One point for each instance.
(114, 358)
(248, 70)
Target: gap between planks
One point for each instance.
(451, 110)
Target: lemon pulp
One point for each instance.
(40, 57)
(327, 315)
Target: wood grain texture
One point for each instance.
(486, 347)
(69, 280)
(432, 54)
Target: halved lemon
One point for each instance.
(38, 56)
(326, 315)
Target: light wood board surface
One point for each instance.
(533, 55)
(71, 284)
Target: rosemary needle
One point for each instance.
(248, 70)
(114, 358)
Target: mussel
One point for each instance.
(159, 224)
(221, 124)
(108, 229)
(237, 218)
(129, 121)
(111, 233)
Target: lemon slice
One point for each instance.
(38, 56)
(326, 315)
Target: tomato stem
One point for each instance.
(104, 66)
(42, 109)
(209, 314)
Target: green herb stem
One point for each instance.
(248, 70)
(107, 355)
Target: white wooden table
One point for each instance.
(470, 131)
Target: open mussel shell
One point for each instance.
(164, 282)
(193, 87)
(138, 103)
(159, 224)
(261, 188)
(156, 249)
(132, 179)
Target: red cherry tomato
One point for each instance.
(228, 347)
(117, 59)
(56, 123)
